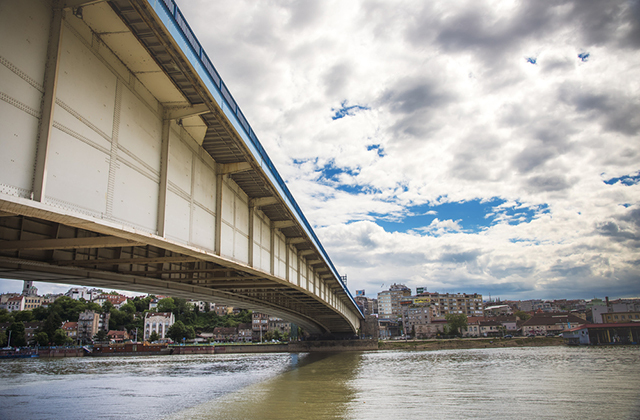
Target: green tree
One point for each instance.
(3, 338)
(5, 316)
(23, 316)
(142, 304)
(101, 337)
(154, 337)
(522, 315)
(128, 307)
(50, 325)
(181, 306)
(42, 339)
(120, 320)
(41, 313)
(18, 338)
(60, 337)
(107, 306)
(455, 323)
(166, 305)
(179, 331)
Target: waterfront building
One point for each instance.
(118, 336)
(30, 331)
(245, 332)
(71, 329)
(225, 334)
(595, 334)
(388, 328)
(259, 325)
(618, 317)
(389, 301)
(158, 322)
(280, 325)
(550, 323)
(418, 314)
(88, 324)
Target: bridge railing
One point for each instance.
(174, 13)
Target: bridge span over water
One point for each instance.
(125, 162)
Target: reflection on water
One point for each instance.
(316, 390)
(126, 387)
(529, 383)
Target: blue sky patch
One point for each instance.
(627, 180)
(472, 216)
(377, 148)
(532, 60)
(345, 110)
(584, 56)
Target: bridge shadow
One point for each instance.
(317, 387)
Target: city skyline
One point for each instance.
(15, 286)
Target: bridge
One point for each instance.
(125, 162)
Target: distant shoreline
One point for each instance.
(470, 343)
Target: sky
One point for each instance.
(472, 146)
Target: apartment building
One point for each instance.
(389, 301)
(455, 303)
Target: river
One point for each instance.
(506, 383)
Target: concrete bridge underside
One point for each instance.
(126, 163)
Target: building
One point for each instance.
(15, 303)
(618, 317)
(118, 336)
(116, 300)
(245, 332)
(280, 325)
(366, 305)
(88, 322)
(32, 302)
(550, 323)
(259, 325)
(594, 334)
(225, 334)
(455, 303)
(417, 315)
(28, 289)
(498, 310)
(199, 305)
(78, 293)
(158, 322)
(71, 329)
(4, 299)
(389, 301)
(388, 328)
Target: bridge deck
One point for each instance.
(210, 217)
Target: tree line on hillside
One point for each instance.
(189, 319)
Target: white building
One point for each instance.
(15, 304)
(82, 292)
(160, 322)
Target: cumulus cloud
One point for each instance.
(449, 111)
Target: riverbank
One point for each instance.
(470, 343)
(299, 347)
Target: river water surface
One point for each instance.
(506, 383)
